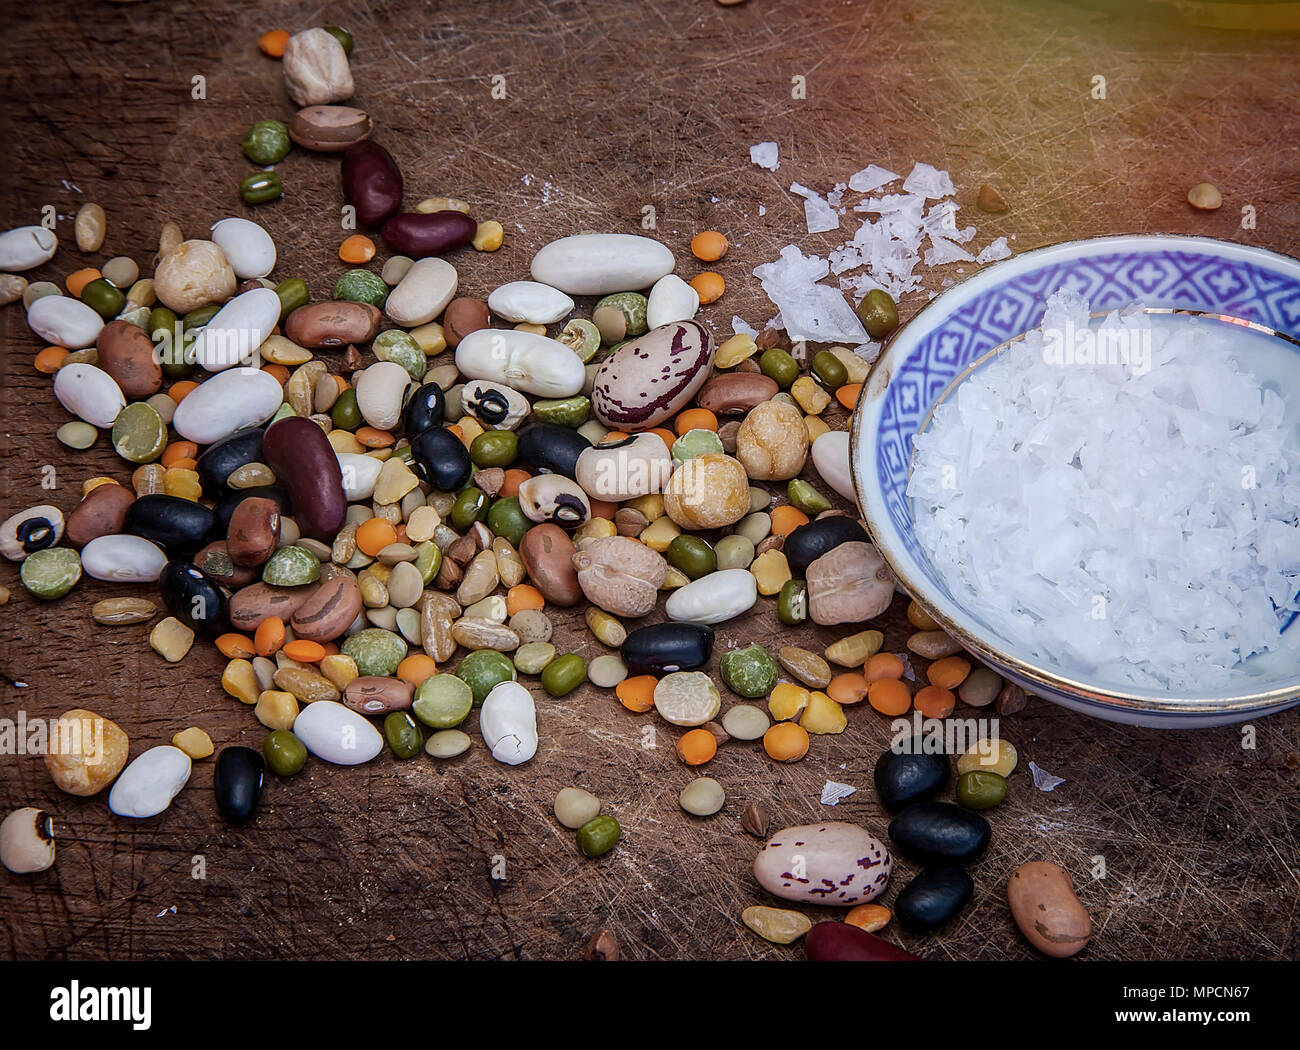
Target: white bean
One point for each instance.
(508, 722)
(534, 364)
(249, 248)
(381, 389)
(671, 299)
(530, 302)
(148, 785)
(89, 393)
(226, 402)
(237, 330)
(123, 558)
(26, 247)
(719, 596)
(423, 292)
(64, 321)
(601, 263)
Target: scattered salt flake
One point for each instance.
(909, 672)
(739, 327)
(999, 249)
(765, 155)
(762, 209)
(946, 251)
(1043, 780)
(870, 179)
(809, 311)
(833, 793)
(928, 181)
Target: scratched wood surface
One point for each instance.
(609, 108)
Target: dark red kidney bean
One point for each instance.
(418, 234)
(220, 459)
(178, 526)
(297, 450)
(194, 599)
(371, 182)
(844, 942)
(661, 648)
(226, 505)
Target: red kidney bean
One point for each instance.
(254, 531)
(301, 456)
(371, 182)
(843, 942)
(419, 234)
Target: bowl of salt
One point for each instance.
(1084, 463)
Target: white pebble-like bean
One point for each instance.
(508, 722)
(601, 263)
(423, 292)
(27, 841)
(381, 388)
(249, 248)
(123, 558)
(533, 364)
(719, 596)
(26, 247)
(64, 321)
(89, 393)
(359, 475)
(671, 299)
(529, 302)
(830, 455)
(337, 734)
(148, 785)
(226, 402)
(237, 330)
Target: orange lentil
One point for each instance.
(882, 665)
(272, 43)
(786, 742)
(612, 437)
(304, 651)
(357, 249)
(78, 279)
(279, 371)
(460, 434)
(178, 392)
(848, 688)
(236, 646)
(709, 286)
(513, 479)
(785, 519)
(869, 917)
(695, 419)
(374, 438)
(935, 702)
(49, 359)
(178, 450)
(889, 696)
(523, 596)
(342, 384)
(374, 535)
(269, 636)
(696, 747)
(637, 693)
(183, 464)
(416, 668)
(669, 437)
(948, 673)
(847, 395)
(708, 246)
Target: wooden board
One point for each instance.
(612, 108)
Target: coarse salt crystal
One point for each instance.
(929, 182)
(870, 179)
(765, 155)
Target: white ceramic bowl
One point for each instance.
(1256, 290)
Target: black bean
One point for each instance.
(178, 526)
(222, 457)
(909, 776)
(237, 781)
(426, 409)
(193, 598)
(933, 897)
(551, 447)
(661, 648)
(809, 542)
(441, 458)
(939, 833)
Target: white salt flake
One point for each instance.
(765, 155)
(870, 179)
(810, 311)
(999, 249)
(818, 214)
(739, 327)
(834, 793)
(1043, 780)
(929, 182)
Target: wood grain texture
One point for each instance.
(611, 107)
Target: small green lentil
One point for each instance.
(484, 669)
(471, 505)
(103, 298)
(342, 36)
(428, 559)
(792, 602)
(494, 448)
(692, 555)
(780, 366)
(878, 313)
(532, 657)
(599, 835)
(362, 286)
(565, 411)
(291, 566)
(404, 736)
(564, 674)
(284, 752)
(267, 142)
(258, 187)
(345, 414)
(978, 789)
(506, 518)
(52, 572)
(197, 318)
(293, 293)
(829, 369)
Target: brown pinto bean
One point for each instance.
(101, 513)
(736, 392)
(547, 552)
(254, 531)
(250, 606)
(419, 235)
(329, 609)
(463, 316)
(332, 323)
(329, 129)
(127, 354)
(300, 454)
(371, 182)
(375, 695)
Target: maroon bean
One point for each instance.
(843, 942)
(419, 234)
(297, 450)
(371, 182)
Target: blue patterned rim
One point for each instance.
(999, 304)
